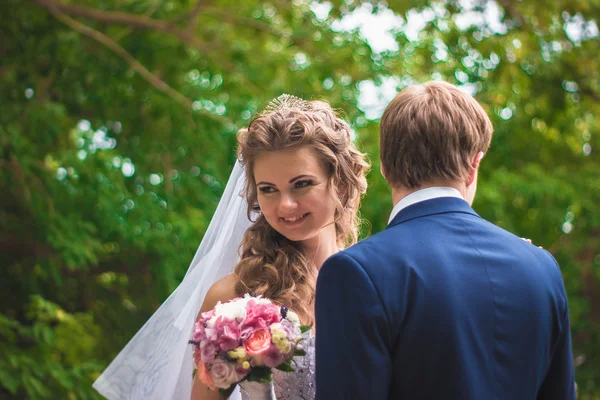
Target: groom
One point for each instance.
(442, 304)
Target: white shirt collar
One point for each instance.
(422, 195)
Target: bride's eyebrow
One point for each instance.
(300, 177)
(290, 181)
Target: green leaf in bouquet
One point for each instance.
(299, 353)
(194, 373)
(286, 367)
(260, 374)
(225, 393)
(304, 328)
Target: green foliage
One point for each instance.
(304, 328)
(298, 352)
(260, 374)
(286, 367)
(50, 354)
(225, 393)
(109, 178)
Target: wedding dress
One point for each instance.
(157, 363)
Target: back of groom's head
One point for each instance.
(430, 133)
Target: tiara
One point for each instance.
(285, 101)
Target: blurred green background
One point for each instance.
(117, 134)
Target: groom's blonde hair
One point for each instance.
(431, 132)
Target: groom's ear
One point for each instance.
(382, 171)
(475, 162)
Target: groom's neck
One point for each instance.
(399, 192)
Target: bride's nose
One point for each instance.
(287, 204)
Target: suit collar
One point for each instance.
(440, 205)
(422, 195)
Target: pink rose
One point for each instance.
(224, 373)
(248, 331)
(258, 344)
(205, 376)
(273, 357)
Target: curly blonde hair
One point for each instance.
(272, 265)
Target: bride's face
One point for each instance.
(294, 194)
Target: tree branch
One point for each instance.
(148, 13)
(56, 8)
(121, 18)
(114, 46)
(193, 17)
(586, 91)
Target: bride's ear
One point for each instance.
(256, 213)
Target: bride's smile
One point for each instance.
(294, 221)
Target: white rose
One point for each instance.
(293, 318)
(260, 300)
(223, 373)
(231, 310)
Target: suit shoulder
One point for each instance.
(551, 264)
(531, 253)
(363, 253)
(543, 255)
(379, 241)
(340, 258)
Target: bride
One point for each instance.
(300, 178)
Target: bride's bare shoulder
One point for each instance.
(222, 290)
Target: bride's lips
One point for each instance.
(296, 220)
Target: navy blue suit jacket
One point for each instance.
(443, 305)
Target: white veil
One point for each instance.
(157, 363)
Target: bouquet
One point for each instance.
(243, 339)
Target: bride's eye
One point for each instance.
(266, 189)
(303, 184)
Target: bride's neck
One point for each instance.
(322, 246)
